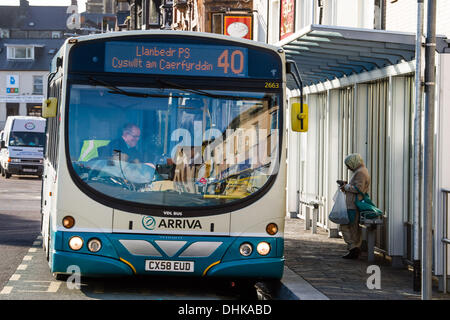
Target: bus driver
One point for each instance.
(125, 146)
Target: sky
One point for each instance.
(81, 3)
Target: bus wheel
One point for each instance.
(244, 288)
(2, 171)
(60, 276)
(45, 246)
(7, 175)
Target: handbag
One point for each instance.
(366, 207)
(339, 213)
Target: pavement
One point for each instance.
(315, 270)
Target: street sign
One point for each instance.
(12, 84)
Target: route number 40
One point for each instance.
(235, 62)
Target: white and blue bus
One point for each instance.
(165, 155)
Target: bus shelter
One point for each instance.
(359, 86)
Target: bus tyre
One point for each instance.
(7, 175)
(45, 246)
(60, 276)
(244, 288)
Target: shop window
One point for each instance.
(12, 109)
(34, 110)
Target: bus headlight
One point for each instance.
(75, 243)
(263, 248)
(246, 249)
(94, 245)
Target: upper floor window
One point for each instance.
(20, 52)
(4, 33)
(37, 85)
(154, 14)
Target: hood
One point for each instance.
(354, 161)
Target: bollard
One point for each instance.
(307, 219)
(371, 243)
(315, 210)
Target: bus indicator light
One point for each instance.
(272, 229)
(68, 222)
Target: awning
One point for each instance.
(328, 52)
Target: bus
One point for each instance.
(165, 155)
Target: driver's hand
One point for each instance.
(150, 165)
(120, 156)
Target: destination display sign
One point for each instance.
(176, 59)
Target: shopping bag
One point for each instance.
(366, 207)
(339, 214)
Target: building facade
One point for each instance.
(230, 17)
(29, 37)
(357, 58)
(358, 66)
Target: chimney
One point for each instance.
(24, 4)
(23, 11)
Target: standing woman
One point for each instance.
(361, 180)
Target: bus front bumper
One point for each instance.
(97, 266)
(88, 265)
(115, 260)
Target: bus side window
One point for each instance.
(53, 126)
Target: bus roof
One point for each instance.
(173, 33)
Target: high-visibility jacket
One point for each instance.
(89, 150)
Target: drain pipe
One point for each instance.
(418, 146)
(430, 79)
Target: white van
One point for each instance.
(22, 146)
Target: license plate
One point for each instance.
(174, 266)
(29, 170)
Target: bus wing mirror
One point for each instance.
(49, 107)
(299, 111)
(299, 117)
(2, 144)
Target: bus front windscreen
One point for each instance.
(173, 147)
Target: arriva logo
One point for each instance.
(149, 222)
(29, 126)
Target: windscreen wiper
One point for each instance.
(115, 90)
(204, 93)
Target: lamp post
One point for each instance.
(430, 79)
